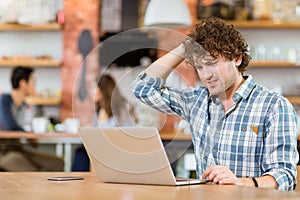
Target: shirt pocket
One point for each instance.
(251, 142)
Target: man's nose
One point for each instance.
(207, 73)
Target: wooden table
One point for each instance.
(174, 135)
(35, 186)
(21, 134)
(63, 142)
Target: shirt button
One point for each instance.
(142, 75)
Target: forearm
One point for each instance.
(163, 66)
(262, 182)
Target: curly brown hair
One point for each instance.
(217, 38)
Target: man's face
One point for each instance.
(30, 86)
(218, 75)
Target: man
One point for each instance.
(13, 157)
(243, 133)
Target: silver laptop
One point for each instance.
(130, 155)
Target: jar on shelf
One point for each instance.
(285, 10)
(262, 9)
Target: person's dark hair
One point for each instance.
(217, 38)
(111, 94)
(113, 102)
(18, 74)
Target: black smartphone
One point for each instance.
(65, 178)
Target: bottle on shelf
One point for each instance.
(243, 10)
(262, 9)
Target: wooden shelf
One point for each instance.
(37, 27)
(266, 24)
(43, 101)
(294, 99)
(272, 64)
(30, 63)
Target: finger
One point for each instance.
(212, 177)
(207, 172)
(215, 174)
(219, 177)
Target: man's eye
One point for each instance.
(211, 63)
(189, 64)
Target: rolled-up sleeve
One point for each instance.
(155, 93)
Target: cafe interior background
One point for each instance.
(46, 34)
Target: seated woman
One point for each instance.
(112, 110)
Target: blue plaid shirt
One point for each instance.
(257, 136)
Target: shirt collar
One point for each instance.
(242, 92)
(245, 89)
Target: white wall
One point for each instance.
(285, 39)
(33, 44)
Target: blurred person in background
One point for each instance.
(13, 155)
(112, 110)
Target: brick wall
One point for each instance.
(166, 41)
(79, 15)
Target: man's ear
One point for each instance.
(238, 60)
(22, 83)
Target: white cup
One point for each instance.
(40, 125)
(71, 125)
